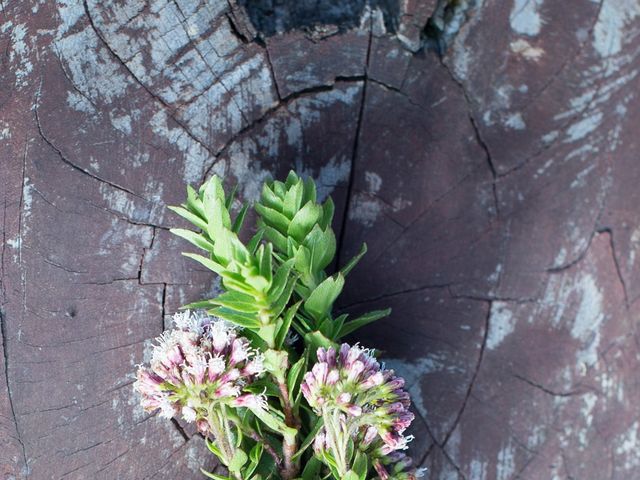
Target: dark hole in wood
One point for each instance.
(270, 17)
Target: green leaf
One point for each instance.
(361, 465)
(254, 457)
(237, 223)
(213, 475)
(238, 461)
(354, 261)
(328, 208)
(191, 217)
(232, 194)
(309, 439)
(276, 363)
(359, 322)
(240, 302)
(302, 259)
(198, 305)
(253, 244)
(207, 262)
(337, 325)
(351, 475)
(323, 247)
(235, 281)
(279, 282)
(214, 207)
(213, 448)
(295, 376)
(241, 319)
(194, 204)
(316, 340)
(273, 421)
(269, 198)
(312, 469)
(292, 179)
(279, 305)
(304, 221)
(277, 238)
(293, 200)
(281, 335)
(321, 299)
(265, 258)
(195, 238)
(309, 191)
(272, 218)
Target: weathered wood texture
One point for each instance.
(496, 186)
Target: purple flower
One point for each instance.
(351, 381)
(199, 365)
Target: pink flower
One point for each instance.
(352, 381)
(195, 367)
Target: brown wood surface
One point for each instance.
(497, 186)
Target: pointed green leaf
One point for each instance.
(194, 203)
(194, 238)
(292, 178)
(281, 335)
(321, 299)
(229, 198)
(266, 259)
(207, 262)
(328, 209)
(304, 221)
(323, 247)
(279, 305)
(272, 218)
(269, 198)
(279, 240)
(354, 261)
(309, 191)
(316, 340)
(241, 319)
(293, 200)
(295, 376)
(279, 281)
(191, 217)
(359, 322)
(215, 476)
(237, 223)
(236, 301)
(309, 439)
(253, 244)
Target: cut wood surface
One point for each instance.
(490, 162)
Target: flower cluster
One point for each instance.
(352, 382)
(198, 366)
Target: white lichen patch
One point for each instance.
(195, 156)
(19, 53)
(610, 29)
(501, 324)
(515, 121)
(478, 469)
(582, 128)
(365, 209)
(505, 464)
(627, 448)
(528, 51)
(525, 17)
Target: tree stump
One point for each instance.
(486, 151)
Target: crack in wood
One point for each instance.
(138, 81)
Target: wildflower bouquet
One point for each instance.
(259, 368)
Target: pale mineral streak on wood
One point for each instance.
(497, 193)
